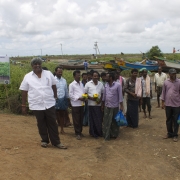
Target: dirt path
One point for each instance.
(138, 153)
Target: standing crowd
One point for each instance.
(95, 99)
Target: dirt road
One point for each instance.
(138, 153)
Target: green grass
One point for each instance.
(10, 95)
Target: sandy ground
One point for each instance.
(138, 153)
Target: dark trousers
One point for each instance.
(146, 101)
(47, 125)
(77, 116)
(159, 91)
(132, 114)
(171, 120)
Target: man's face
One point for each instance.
(134, 74)
(159, 70)
(144, 73)
(103, 78)
(59, 72)
(37, 67)
(95, 77)
(172, 76)
(89, 77)
(77, 77)
(84, 78)
(117, 75)
(107, 78)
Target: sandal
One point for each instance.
(175, 139)
(44, 144)
(62, 132)
(167, 137)
(60, 146)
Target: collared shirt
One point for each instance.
(61, 85)
(103, 82)
(121, 80)
(130, 88)
(76, 90)
(84, 83)
(160, 78)
(171, 93)
(91, 89)
(144, 87)
(40, 92)
(112, 95)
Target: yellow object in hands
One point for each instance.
(85, 96)
(95, 95)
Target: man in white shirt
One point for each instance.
(40, 87)
(76, 91)
(159, 79)
(94, 103)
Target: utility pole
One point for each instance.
(96, 48)
(61, 51)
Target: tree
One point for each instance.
(154, 51)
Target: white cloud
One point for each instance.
(126, 25)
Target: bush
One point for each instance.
(154, 51)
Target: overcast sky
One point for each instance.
(44, 26)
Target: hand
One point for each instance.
(163, 105)
(24, 110)
(121, 108)
(151, 96)
(92, 98)
(98, 101)
(155, 90)
(134, 95)
(81, 99)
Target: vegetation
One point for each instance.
(10, 95)
(154, 51)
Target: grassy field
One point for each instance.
(10, 96)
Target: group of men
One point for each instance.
(94, 102)
(139, 91)
(97, 101)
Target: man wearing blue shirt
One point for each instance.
(62, 97)
(85, 65)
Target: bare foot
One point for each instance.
(62, 132)
(150, 117)
(118, 138)
(144, 116)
